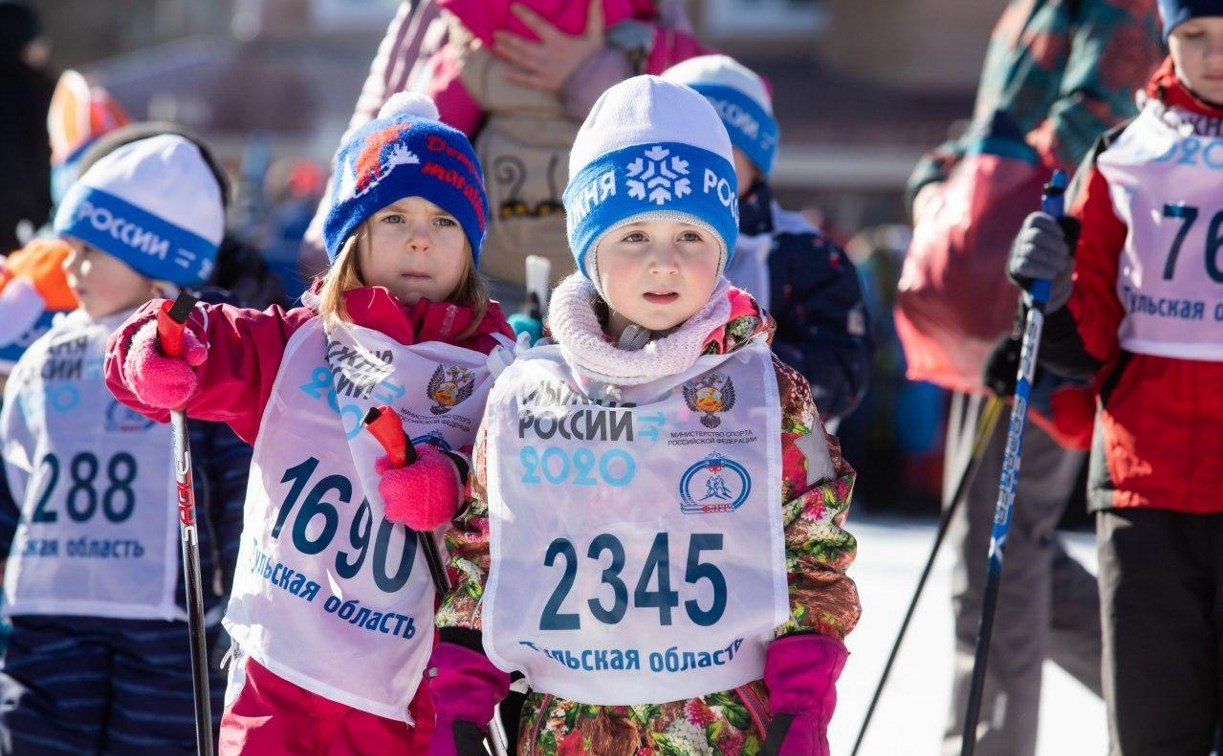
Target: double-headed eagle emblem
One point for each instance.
(449, 385)
(710, 394)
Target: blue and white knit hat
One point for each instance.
(741, 99)
(1176, 12)
(406, 152)
(154, 204)
(650, 149)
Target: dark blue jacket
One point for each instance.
(814, 294)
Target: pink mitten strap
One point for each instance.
(157, 380)
(425, 494)
(801, 673)
(464, 687)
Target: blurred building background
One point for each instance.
(862, 88)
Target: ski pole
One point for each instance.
(171, 320)
(385, 426)
(982, 435)
(1053, 203)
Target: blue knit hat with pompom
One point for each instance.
(406, 152)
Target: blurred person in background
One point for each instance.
(292, 189)
(792, 269)
(33, 286)
(1056, 76)
(900, 421)
(97, 662)
(25, 150)
(518, 84)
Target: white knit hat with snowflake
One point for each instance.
(650, 148)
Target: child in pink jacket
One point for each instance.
(332, 608)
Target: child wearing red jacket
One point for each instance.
(1138, 308)
(332, 609)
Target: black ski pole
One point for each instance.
(171, 320)
(982, 434)
(1053, 203)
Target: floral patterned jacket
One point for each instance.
(823, 598)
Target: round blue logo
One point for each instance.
(717, 483)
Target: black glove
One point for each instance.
(1002, 365)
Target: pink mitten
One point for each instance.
(465, 688)
(801, 673)
(157, 380)
(425, 494)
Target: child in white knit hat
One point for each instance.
(99, 659)
(654, 534)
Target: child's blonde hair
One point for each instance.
(345, 274)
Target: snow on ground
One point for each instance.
(909, 718)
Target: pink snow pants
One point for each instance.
(273, 716)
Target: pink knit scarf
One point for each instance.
(575, 326)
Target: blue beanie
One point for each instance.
(742, 102)
(406, 152)
(650, 148)
(1176, 12)
(155, 204)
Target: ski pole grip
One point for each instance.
(385, 426)
(171, 321)
(1053, 202)
(1053, 198)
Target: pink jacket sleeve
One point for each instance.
(444, 84)
(672, 46)
(245, 348)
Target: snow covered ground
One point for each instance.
(908, 720)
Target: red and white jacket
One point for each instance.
(1158, 442)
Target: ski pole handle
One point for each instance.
(1053, 202)
(383, 423)
(172, 321)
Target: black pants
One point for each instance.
(1161, 595)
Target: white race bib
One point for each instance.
(1165, 186)
(98, 534)
(329, 594)
(637, 547)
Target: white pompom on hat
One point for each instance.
(409, 104)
